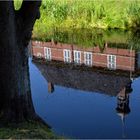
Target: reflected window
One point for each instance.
(47, 53)
(88, 58)
(67, 55)
(77, 57)
(111, 61)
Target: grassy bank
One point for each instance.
(122, 14)
(26, 130)
(106, 14)
(66, 20)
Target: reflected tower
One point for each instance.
(123, 108)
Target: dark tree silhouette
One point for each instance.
(15, 33)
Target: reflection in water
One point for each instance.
(111, 58)
(108, 67)
(94, 81)
(112, 85)
(81, 78)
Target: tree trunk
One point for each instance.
(15, 33)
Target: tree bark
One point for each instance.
(15, 33)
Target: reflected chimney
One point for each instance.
(50, 87)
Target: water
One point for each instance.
(81, 102)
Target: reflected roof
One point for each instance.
(93, 81)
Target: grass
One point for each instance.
(84, 14)
(122, 14)
(26, 130)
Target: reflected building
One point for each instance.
(61, 69)
(122, 62)
(83, 79)
(108, 57)
(108, 71)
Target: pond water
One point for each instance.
(94, 101)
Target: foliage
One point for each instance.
(85, 37)
(66, 21)
(122, 14)
(17, 4)
(134, 14)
